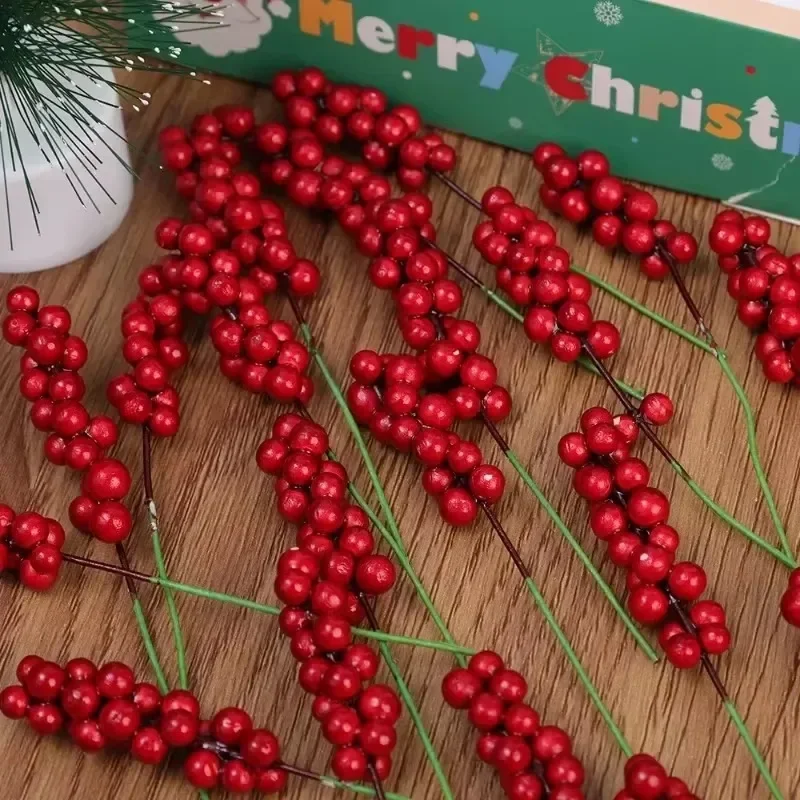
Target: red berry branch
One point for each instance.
(437, 410)
(327, 582)
(534, 761)
(584, 191)
(50, 379)
(621, 216)
(766, 286)
(104, 708)
(632, 518)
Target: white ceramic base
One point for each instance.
(82, 200)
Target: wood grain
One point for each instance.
(220, 528)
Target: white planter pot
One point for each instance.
(83, 188)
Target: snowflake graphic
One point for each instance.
(608, 13)
(722, 162)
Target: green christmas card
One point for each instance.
(704, 101)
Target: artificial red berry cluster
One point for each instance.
(256, 351)
(49, 377)
(536, 273)
(104, 708)
(389, 137)
(631, 517)
(227, 203)
(766, 286)
(51, 381)
(583, 190)
(646, 779)
(533, 761)
(408, 403)
(394, 233)
(152, 328)
(30, 548)
(790, 602)
(325, 583)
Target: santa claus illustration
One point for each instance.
(235, 27)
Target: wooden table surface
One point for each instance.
(221, 530)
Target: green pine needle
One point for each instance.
(54, 77)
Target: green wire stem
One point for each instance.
(161, 567)
(174, 619)
(758, 759)
(273, 611)
(755, 458)
(357, 788)
(514, 313)
(149, 645)
(393, 541)
(787, 556)
(416, 718)
(528, 480)
(365, 507)
(578, 667)
(369, 464)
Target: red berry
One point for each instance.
(14, 702)
(460, 687)
(202, 769)
(683, 651)
(230, 724)
(119, 720)
(648, 507)
(648, 605)
(375, 574)
(148, 747)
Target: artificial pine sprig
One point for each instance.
(55, 62)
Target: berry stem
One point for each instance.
(503, 304)
(747, 409)
(562, 528)
(394, 542)
(152, 513)
(697, 315)
(253, 605)
(546, 611)
(413, 711)
(454, 187)
(335, 783)
(172, 609)
(758, 759)
(369, 464)
(141, 617)
(705, 342)
(149, 645)
(721, 357)
(681, 470)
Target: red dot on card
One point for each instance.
(750, 70)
